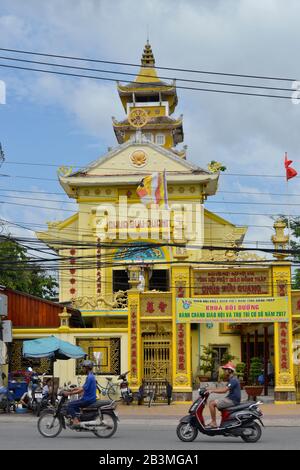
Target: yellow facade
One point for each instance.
(108, 290)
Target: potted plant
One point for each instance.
(226, 357)
(240, 372)
(207, 364)
(254, 389)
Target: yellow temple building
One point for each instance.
(127, 277)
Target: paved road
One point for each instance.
(150, 436)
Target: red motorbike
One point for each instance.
(238, 421)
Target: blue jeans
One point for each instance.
(74, 406)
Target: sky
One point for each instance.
(67, 121)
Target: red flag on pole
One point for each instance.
(290, 172)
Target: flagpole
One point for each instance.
(290, 173)
(288, 217)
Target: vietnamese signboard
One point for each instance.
(231, 282)
(236, 310)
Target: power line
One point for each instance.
(41, 178)
(206, 202)
(143, 246)
(210, 90)
(84, 212)
(23, 224)
(219, 192)
(178, 79)
(260, 77)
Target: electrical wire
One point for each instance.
(261, 77)
(177, 79)
(241, 193)
(210, 90)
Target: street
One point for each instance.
(142, 434)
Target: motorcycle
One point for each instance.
(126, 393)
(236, 421)
(7, 401)
(99, 418)
(35, 394)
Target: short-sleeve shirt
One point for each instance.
(234, 390)
(89, 388)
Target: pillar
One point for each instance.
(181, 338)
(248, 356)
(285, 391)
(134, 339)
(266, 357)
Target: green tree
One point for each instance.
(295, 245)
(16, 272)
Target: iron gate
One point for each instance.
(157, 356)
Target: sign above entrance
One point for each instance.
(231, 282)
(236, 310)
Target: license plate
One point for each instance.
(38, 395)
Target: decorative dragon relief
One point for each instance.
(120, 301)
(285, 379)
(64, 171)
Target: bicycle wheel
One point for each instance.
(113, 392)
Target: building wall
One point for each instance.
(66, 370)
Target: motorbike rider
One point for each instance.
(233, 398)
(47, 388)
(88, 392)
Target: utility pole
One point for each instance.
(3, 312)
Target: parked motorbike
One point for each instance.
(236, 421)
(99, 418)
(7, 401)
(35, 394)
(126, 393)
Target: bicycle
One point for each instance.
(111, 389)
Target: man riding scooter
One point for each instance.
(88, 390)
(232, 399)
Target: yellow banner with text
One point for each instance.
(236, 310)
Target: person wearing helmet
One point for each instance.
(88, 392)
(233, 397)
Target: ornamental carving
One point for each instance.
(138, 158)
(181, 380)
(138, 118)
(157, 328)
(64, 170)
(285, 379)
(244, 256)
(120, 301)
(215, 167)
(283, 276)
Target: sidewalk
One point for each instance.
(162, 414)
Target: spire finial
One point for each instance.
(148, 57)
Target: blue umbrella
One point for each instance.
(53, 348)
